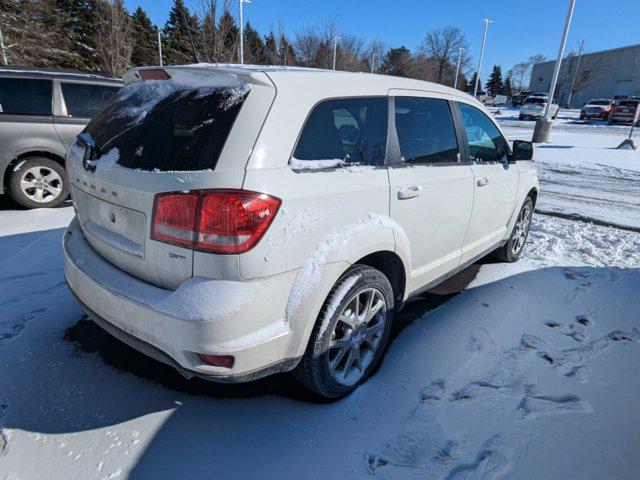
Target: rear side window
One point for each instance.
(425, 130)
(628, 103)
(25, 96)
(486, 143)
(349, 130)
(162, 125)
(85, 100)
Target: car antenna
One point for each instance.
(193, 46)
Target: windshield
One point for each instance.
(164, 125)
(536, 100)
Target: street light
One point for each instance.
(484, 38)
(3, 49)
(159, 47)
(241, 52)
(542, 130)
(373, 62)
(455, 82)
(335, 49)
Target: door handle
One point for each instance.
(410, 192)
(483, 181)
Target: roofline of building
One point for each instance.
(636, 45)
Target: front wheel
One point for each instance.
(350, 334)
(38, 182)
(511, 251)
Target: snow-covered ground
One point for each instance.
(581, 171)
(531, 372)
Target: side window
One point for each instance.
(486, 143)
(425, 130)
(25, 96)
(85, 100)
(350, 130)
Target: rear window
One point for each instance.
(25, 96)
(345, 130)
(536, 100)
(599, 102)
(85, 100)
(163, 125)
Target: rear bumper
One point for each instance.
(243, 319)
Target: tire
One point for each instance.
(510, 252)
(320, 367)
(48, 179)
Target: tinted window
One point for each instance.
(425, 130)
(628, 103)
(350, 129)
(537, 100)
(599, 102)
(486, 144)
(25, 96)
(84, 100)
(160, 125)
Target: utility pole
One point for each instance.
(373, 62)
(335, 49)
(5, 60)
(542, 130)
(241, 52)
(484, 39)
(455, 82)
(159, 47)
(575, 75)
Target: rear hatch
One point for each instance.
(169, 133)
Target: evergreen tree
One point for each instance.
(229, 34)
(177, 48)
(287, 53)
(508, 90)
(145, 48)
(271, 49)
(495, 85)
(254, 49)
(398, 62)
(78, 28)
(463, 84)
(472, 83)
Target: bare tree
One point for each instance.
(582, 69)
(537, 58)
(441, 47)
(519, 74)
(113, 37)
(214, 34)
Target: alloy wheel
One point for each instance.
(41, 184)
(357, 336)
(521, 230)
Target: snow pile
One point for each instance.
(107, 161)
(308, 277)
(204, 299)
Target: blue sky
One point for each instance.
(519, 29)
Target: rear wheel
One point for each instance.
(38, 182)
(350, 334)
(511, 251)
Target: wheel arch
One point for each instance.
(23, 156)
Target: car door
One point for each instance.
(431, 188)
(495, 182)
(77, 103)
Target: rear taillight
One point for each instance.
(619, 109)
(216, 221)
(543, 105)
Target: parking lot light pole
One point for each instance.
(484, 39)
(542, 130)
(241, 46)
(455, 82)
(159, 48)
(335, 49)
(5, 60)
(373, 62)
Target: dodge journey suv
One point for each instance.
(40, 115)
(235, 222)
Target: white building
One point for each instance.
(605, 74)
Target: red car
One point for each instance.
(597, 108)
(624, 111)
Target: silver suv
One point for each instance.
(40, 115)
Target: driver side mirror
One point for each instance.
(522, 150)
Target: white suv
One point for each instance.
(235, 222)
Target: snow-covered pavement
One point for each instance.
(581, 172)
(531, 372)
